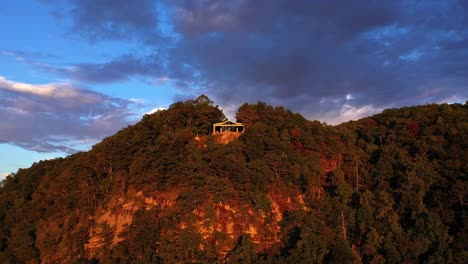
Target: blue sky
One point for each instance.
(75, 71)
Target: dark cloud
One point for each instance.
(117, 69)
(308, 55)
(56, 117)
(113, 18)
(109, 19)
(325, 59)
(271, 17)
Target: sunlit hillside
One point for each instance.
(389, 188)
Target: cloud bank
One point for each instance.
(57, 117)
(306, 55)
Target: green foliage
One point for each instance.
(389, 188)
(243, 252)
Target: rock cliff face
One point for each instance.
(219, 224)
(118, 214)
(226, 137)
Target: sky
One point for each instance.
(75, 71)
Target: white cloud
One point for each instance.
(163, 79)
(412, 56)
(349, 112)
(50, 90)
(230, 110)
(4, 175)
(154, 110)
(453, 99)
(42, 90)
(53, 117)
(138, 100)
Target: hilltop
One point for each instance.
(387, 188)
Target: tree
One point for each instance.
(243, 252)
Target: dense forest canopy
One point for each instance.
(389, 188)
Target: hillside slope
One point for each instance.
(387, 188)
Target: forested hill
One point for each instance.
(390, 188)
